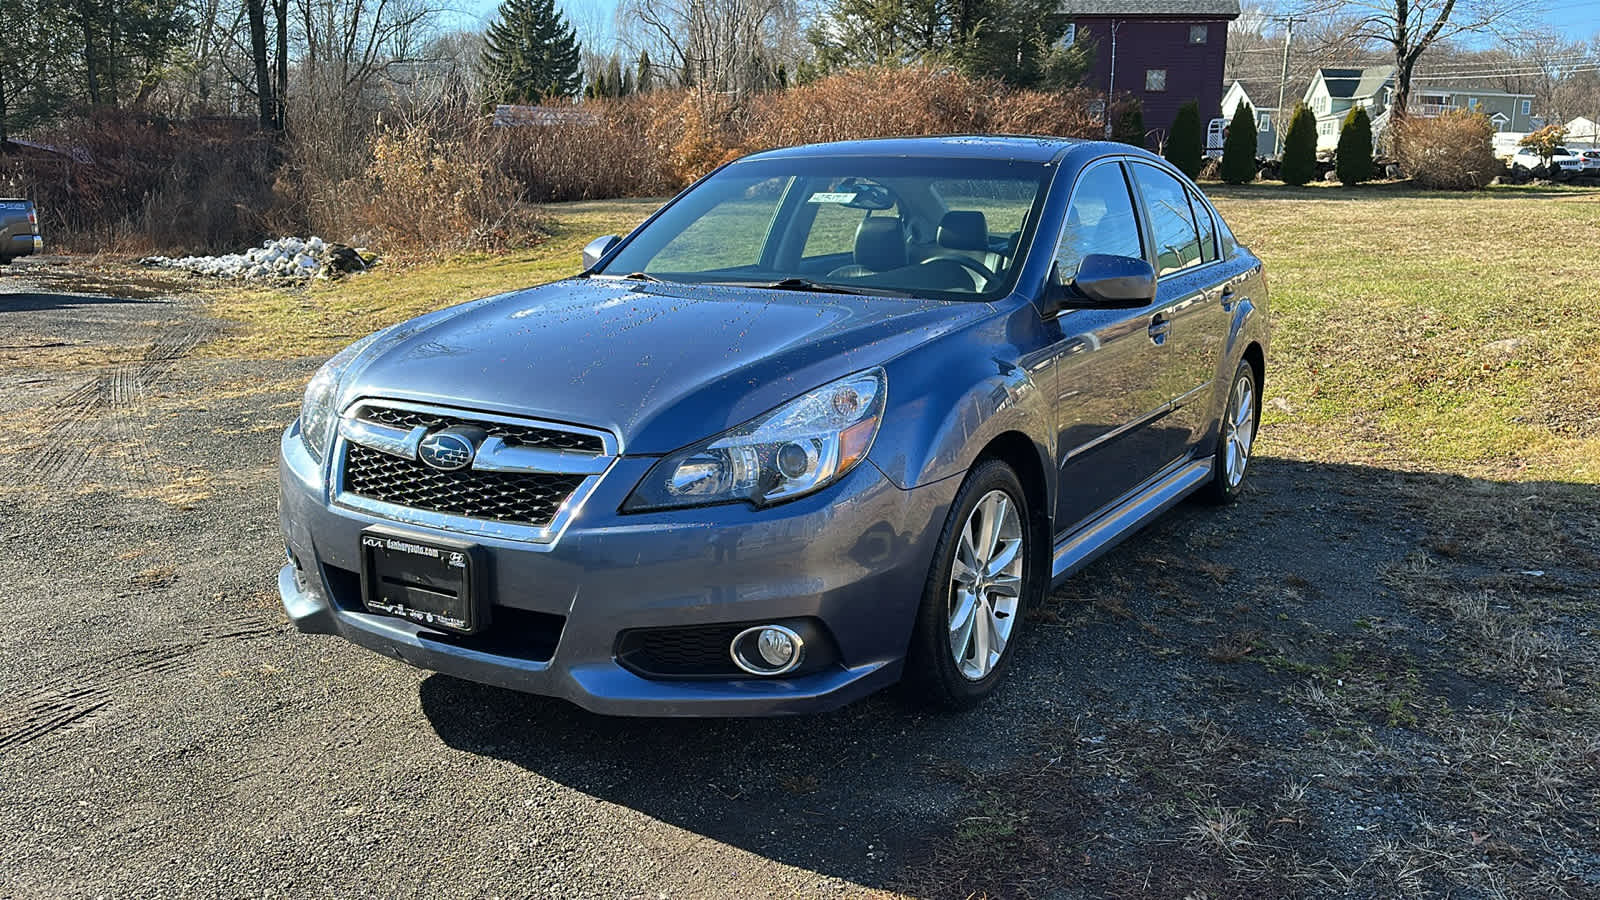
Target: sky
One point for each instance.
(1576, 19)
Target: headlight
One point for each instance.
(802, 446)
(318, 412)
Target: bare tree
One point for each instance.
(720, 45)
(1410, 27)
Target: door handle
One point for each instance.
(1227, 299)
(1159, 326)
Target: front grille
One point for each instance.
(523, 435)
(524, 498)
(679, 652)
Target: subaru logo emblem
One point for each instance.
(446, 451)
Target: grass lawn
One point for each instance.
(1457, 333)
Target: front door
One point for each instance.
(1112, 377)
(1194, 287)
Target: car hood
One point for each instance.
(662, 365)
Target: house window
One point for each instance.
(1264, 122)
(1472, 103)
(1155, 80)
(1071, 37)
(1197, 34)
(1527, 107)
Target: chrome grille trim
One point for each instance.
(496, 457)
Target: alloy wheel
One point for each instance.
(1239, 429)
(986, 584)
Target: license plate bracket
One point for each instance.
(430, 581)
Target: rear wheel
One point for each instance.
(1236, 435)
(982, 582)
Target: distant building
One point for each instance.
(511, 115)
(1163, 52)
(1583, 132)
(1335, 91)
(1266, 110)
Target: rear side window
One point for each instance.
(1100, 219)
(1171, 219)
(1208, 231)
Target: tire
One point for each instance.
(934, 676)
(1236, 436)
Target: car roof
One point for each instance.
(1020, 147)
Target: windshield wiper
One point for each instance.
(820, 287)
(641, 276)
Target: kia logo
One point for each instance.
(446, 451)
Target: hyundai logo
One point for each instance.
(446, 450)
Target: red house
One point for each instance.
(1164, 52)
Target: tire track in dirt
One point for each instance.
(92, 430)
(79, 694)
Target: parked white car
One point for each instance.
(1565, 160)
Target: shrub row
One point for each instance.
(444, 178)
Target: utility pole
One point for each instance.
(1283, 81)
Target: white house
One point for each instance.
(1335, 91)
(1266, 115)
(1583, 132)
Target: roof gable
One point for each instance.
(1350, 84)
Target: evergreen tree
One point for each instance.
(1299, 163)
(530, 53)
(646, 78)
(1354, 161)
(1185, 143)
(1127, 121)
(614, 77)
(1239, 148)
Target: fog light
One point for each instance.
(767, 650)
(776, 647)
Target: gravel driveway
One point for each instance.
(1281, 697)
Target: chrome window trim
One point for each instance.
(496, 455)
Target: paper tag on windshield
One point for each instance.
(827, 197)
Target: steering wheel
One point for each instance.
(970, 265)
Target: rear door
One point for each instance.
(1112, 389)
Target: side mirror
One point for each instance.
(598, 248)
(1104, 281)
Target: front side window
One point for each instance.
(1177, 241)
(912, 226)
(1155, 79)
(1100, 219)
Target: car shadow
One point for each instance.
(40, 302)
(863, 793)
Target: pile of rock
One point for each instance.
(283, 258)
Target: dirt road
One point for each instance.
(1355, 681)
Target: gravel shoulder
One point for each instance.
(1354, 682)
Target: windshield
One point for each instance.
(946, 228)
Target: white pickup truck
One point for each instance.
(19, 230)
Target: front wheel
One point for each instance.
(1236, 435)
(982, 582)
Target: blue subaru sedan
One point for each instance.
(833, 418)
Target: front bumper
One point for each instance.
(854, 557)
